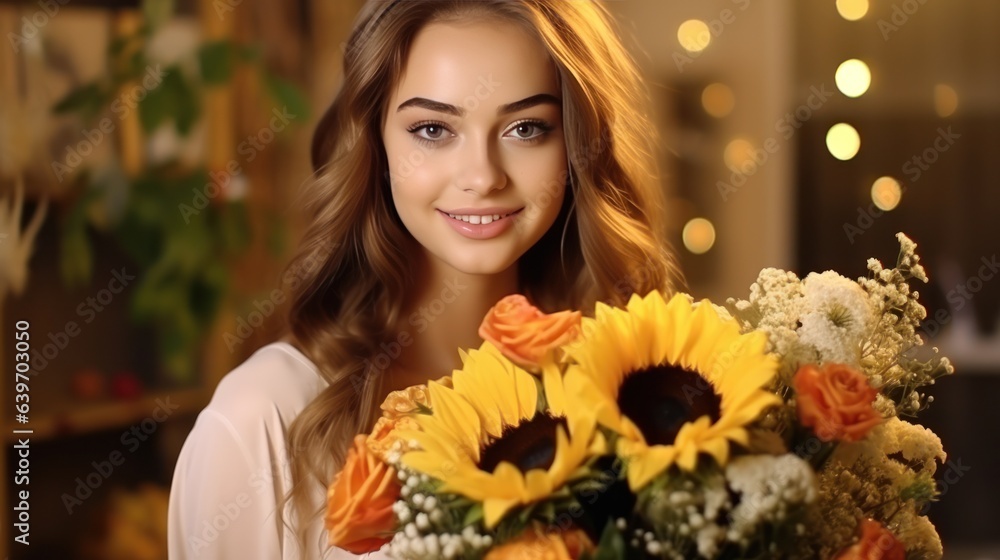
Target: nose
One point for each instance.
(480, 167)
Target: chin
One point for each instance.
(476, 262)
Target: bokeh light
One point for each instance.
(718, 100)
(738, 153)
(843, 141)
(852, 10)
(945, 100)
(886, 193)
(853, 77)
(698, 235)
(694, 35)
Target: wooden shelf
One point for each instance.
(94, 417)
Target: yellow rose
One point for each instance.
(408, 401)
(383, 435)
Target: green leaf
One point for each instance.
(288, 97)
(173, 98)
(216, 61)
(277, 236)
(611, 545)
(546, 511)
(157, 12)
(474, 515)
(76, 257)
(187, 104)
(249, 53)
(159, 103)
(235, 228)
(86, 100)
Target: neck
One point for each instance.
(444, 315)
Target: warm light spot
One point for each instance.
(843, 141)
(852, 10)
(945, 100)
(718, 100)
(886, 193)
(853, 77)
(694, 35)
(698, 235)
(738, 154)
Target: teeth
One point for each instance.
(475, 219)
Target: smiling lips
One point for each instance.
(480, 224)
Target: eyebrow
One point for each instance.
(538, 99)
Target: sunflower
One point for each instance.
(485, 440)
(673, 379)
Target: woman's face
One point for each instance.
(474, 130)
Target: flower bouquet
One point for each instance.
(765, 428)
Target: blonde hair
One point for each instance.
(608, 241)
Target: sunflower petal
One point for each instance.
(494, 509)
(454, 414)
(555, 393)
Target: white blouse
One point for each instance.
(233, 467)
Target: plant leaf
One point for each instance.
(216, 61)
(86, 100)
(474, 515)
(288, 97)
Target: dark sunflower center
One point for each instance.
(530, 445)
(660, 399)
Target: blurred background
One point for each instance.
(151, 154)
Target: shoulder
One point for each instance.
(276, 382)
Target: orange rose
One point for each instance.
(523, 333)
(876, 543)
(359, 514)
(836, 401)
(539, 545)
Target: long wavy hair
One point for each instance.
(354, 266)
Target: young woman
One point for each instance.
(476, 149)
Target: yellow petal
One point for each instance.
(453, 411)
(494, 510)
(641, 468)
(536, 485)
(555, 394)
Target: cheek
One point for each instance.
(546, 177)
